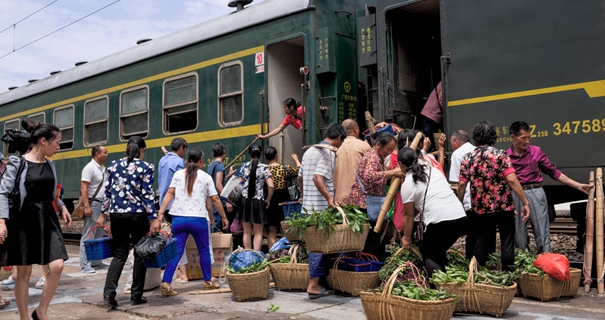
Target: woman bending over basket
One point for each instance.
(426, 190)
(189, 188)
(252, 210)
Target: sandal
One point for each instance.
(4, 303)
(179, 280)
(167, 290)
(211, 286)
(40, 283)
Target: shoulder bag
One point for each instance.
(373, 203)
(421, 226)
(79, 209)
(291, 184)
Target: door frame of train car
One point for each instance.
(386, 61)
(271, 98)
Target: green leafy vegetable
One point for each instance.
(259, 266)
(326, 219)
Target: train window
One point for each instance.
(37, 117)
(15, 125)
(95, 121)
(180, 104)
(134, 113)
(64, 120)
(230, 94)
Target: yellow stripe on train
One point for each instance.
(594, 89)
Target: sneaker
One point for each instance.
(88, 270)
(101, 266)
(40, 284)
(8, 281)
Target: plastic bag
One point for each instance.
(153, 276)
(555, 265)
(232, 191)
(283, 243)
(242, 258)
(236, 227)
(150, 245)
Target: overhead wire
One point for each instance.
(65, 26)
(12, 25)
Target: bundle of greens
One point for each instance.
(302, 256)
(411, 290)
(456, 259)
(459, 274)
(259, 266)
(524, 263)
(326, 219)
(493, 259)
(277, 254)
(394, 261)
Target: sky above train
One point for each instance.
(112, 29)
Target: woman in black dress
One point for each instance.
(253, 204)
(34, 233)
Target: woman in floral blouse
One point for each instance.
(253, 203)
(129, 201)
(373, 174)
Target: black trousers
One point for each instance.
(126, 228)
(437, 239)
(486, 237)
(471, 234)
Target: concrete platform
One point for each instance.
(80, 297)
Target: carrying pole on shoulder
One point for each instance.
(240, 154)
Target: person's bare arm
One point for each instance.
(84, 192)
(219, 182)
(461, 190)
(321, 186)
(272, 133)
(574, 184)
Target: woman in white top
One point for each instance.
(426, 190)
(189, 188)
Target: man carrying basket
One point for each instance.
(315, 179)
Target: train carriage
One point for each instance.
(221, 80)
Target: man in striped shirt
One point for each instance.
(315, 179)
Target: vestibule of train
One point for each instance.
(414, 67)
(284, 60)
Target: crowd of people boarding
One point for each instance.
(495, 189)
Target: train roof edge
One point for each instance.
(253, 15)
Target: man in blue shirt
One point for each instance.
(169, 164)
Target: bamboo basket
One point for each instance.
(385, 306)
(481, 298)
(341, 239)
(548, 288)
(249, 286)
(291, 236)
(352, 282)
(292, 275)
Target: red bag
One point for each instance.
(554, 264)
(237, 227)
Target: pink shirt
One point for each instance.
(530, 163)
(432, 108)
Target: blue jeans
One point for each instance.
(197, 227)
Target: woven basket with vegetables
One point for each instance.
(291, 272)
(481, 290)
(332, 230)
(408, 299)
(249, 283)
(535, 283)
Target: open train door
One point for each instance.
(284, 60)
(408, 58)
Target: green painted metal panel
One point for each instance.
(366, 44)
(325, 52)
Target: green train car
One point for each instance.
(537, 61)
(221, 80)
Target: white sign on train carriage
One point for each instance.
(259, 59)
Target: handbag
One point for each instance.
(373, 203)
(232, 191)
(420, 226)
(292, 185)
(236, 227)
(79, 209)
